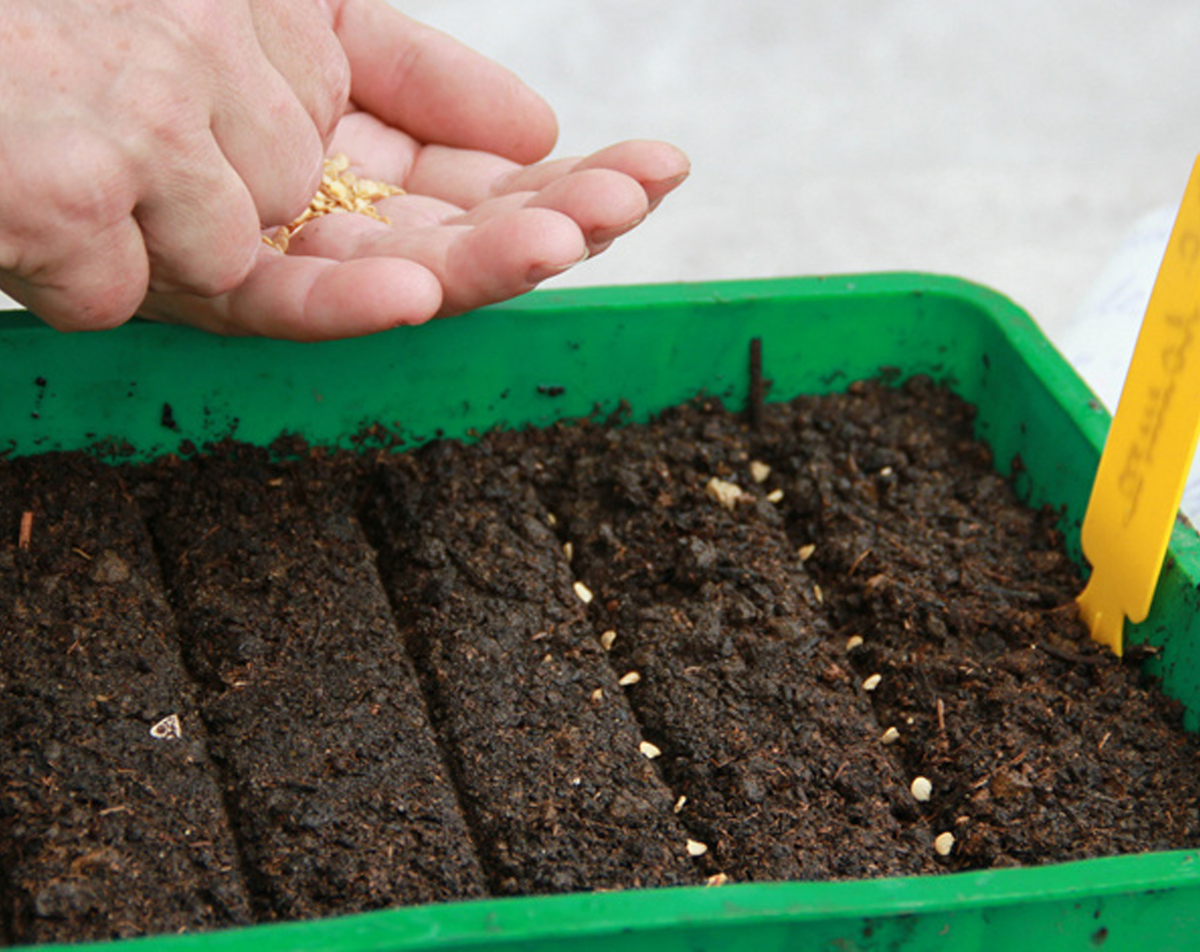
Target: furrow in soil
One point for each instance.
(111, 821)
(1036, 743)
(339, 796)
(740, 682)
(547, 754)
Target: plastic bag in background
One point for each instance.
(1100, 337)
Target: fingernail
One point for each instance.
(543, 272)
(605, 236)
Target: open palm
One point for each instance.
(483, 218)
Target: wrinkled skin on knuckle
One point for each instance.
(167, 126)
(226, 270)
(333, 73)
(295, 180)
(108, 306)
(298, 37)
(86, 190)
(207, 26)
(92, 306)
(226, 254)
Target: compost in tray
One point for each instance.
(585, 657)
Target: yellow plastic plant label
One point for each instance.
(1144, 467)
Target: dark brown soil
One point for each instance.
(105, 830)
(553, 661)
(742, 683)
(337, 791)
(543, 743)
(1038, 743)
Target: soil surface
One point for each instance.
(337, 791)
(262, 685)
(105, 828)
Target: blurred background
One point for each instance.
(1039, 148)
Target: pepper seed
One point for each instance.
(944, 843)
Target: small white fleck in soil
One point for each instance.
(630, 678)
(775, 495)
(649, 751)
(584, 593)
(854, 641)
(944, 843)
(922, 789)
(608, 639)
(890, 736)
(759, 471)
(696, 848)
(168, 728)
(679, 804)
(806, 551)
(871, 683)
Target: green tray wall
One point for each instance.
(556, 354)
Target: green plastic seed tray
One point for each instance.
(146, 389)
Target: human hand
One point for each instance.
(482, 219)
(132, 153)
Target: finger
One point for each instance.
(602, 203)
(380, 152)
(341, 236)
(310, 299)
(95, 285)
(475, 264)
(270, 140)
(201, 228)
(463, 177)
(467, 177)
(420, 80)
(508, 256)
(658, 166)
(298, 39)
